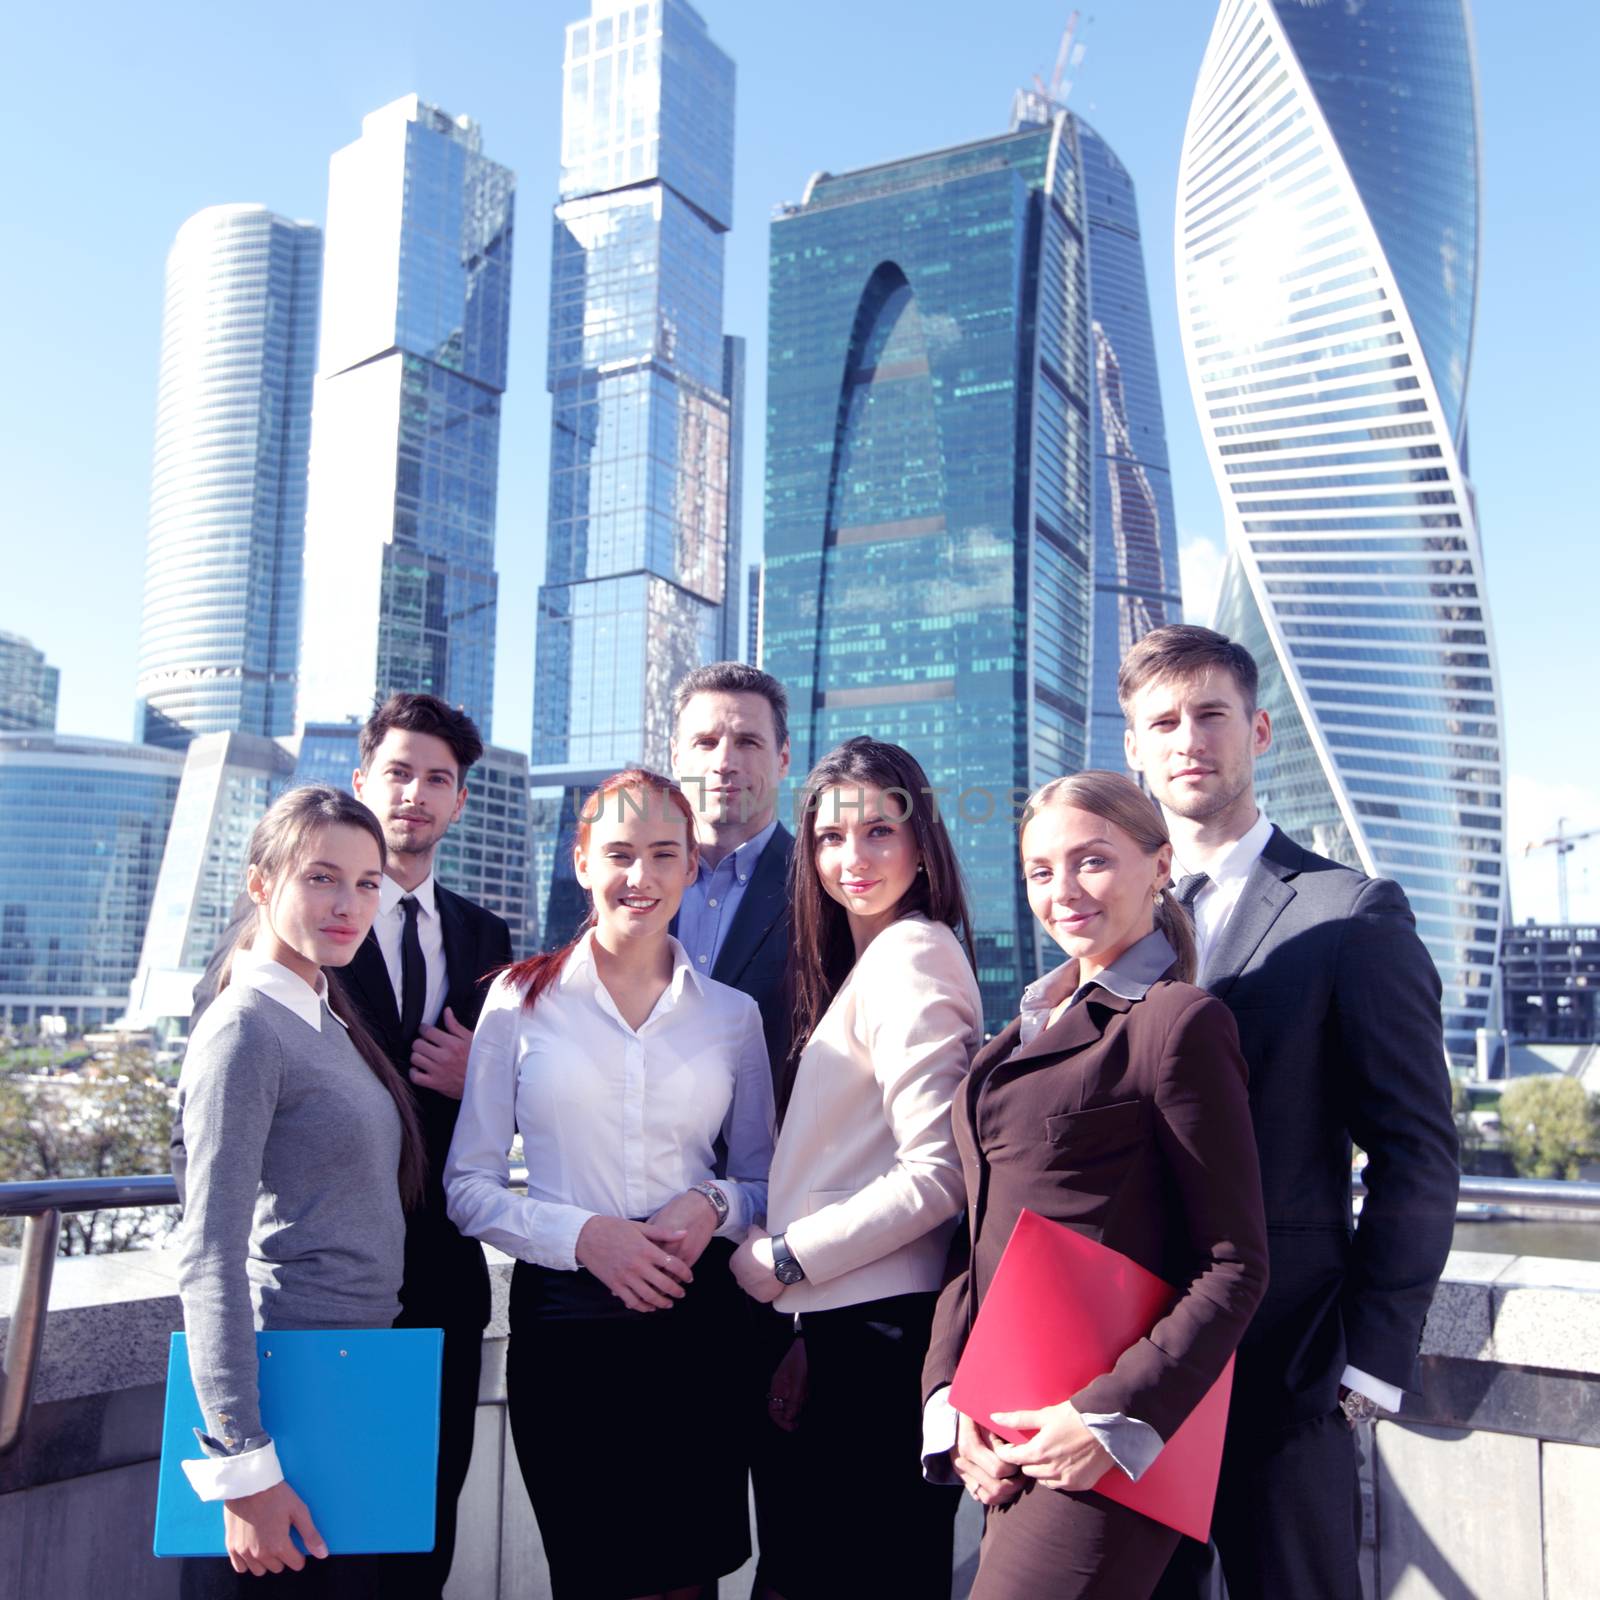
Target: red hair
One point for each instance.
(537, 973)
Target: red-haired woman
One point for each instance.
(622, 1067)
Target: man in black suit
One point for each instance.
(730, 752)
(1337, 1004)
(418, 981)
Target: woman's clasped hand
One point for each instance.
(635, 1261)
(1062, 1454)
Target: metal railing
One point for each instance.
(43, 1204)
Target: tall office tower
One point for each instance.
(1327, 239)
(86, 824)
(29, 687)
(405, 443)
(752, 648)
(228, 781)
(485, 856)
(928, 497)
(1135, 530)
(733, 360)
(221, 636)
(636, 573)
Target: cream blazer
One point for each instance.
(865, 1182)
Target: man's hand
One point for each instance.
(1062, 1454)
(786, 1394)
(752, 1267)
(439, 1057)
(989, 1480)
(692, 1215)
(255, 1530)
(636, 1261)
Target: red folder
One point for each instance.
(1059, 1313)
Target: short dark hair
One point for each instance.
(1181, 650)
(735, 677)
(424, 713)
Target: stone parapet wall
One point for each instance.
(1484, 1487)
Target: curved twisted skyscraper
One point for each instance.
(221, 635)
(1327, 242)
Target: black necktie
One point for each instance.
(1188, 890)
(413, 974)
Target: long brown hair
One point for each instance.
(538, 972)
(1121, 802)
(278, 844)
(822, 950)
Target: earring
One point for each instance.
(921, 867)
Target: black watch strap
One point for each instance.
(784, 1266)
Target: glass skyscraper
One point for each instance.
(637, 576)
(1135, 532)
(400, 578)
(929, 499)
(221, 633)
(1328, 247)
(228, 781)
(86, 824)
(29, 687)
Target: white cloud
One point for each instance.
(1533, 808)
(1200, 564)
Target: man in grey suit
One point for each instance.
(1337, 1004)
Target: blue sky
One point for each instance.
(125, 120)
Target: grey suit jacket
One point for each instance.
(1337, 1004)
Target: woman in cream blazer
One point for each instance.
(865, 1184)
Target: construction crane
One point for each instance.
(1059, 88)
(1563, 843)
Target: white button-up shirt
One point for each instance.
(1216, 901)
(390, 926)
(614, 1120)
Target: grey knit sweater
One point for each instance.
(292, 1213)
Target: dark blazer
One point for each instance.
(1337, 1004)
(446, 1282)
(754, 958)
(1126, 1120)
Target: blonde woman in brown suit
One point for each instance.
(1115, 1104)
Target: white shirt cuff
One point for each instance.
(1375, 1389)
(939, 1423)
(233, 1477)
(1132, 1444)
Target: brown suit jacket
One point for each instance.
(1127, 1120)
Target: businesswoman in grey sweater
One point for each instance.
(297, 1148)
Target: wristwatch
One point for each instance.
(784, 1266)
(719, 1201)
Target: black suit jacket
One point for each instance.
(446, 1282)
(1337, 1005)
(754, 958)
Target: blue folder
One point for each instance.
(355, 1418)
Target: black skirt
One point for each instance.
(630, 1430)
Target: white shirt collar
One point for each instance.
(580, 966)
(277, 982)
(390, 894)
(1128, 977)
(1236, 861)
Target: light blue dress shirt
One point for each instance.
(712, 900)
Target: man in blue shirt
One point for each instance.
(730, 752)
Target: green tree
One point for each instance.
(1549, 1125)
(112, 1121)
